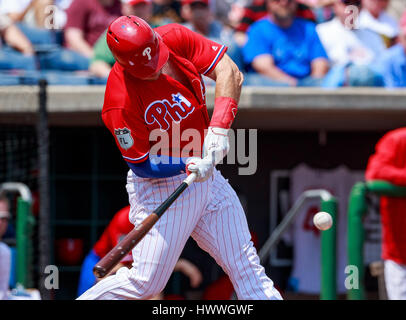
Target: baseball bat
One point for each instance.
(111, 259)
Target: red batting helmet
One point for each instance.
(136, 46)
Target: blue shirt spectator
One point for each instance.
(392, 66)
(285, 48)
(292, 49)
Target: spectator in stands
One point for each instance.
(284, 50)
(351, 50)
(392, 64)
(45, 43)
(5, 252)
(389, 164)
(166, 11)
(139, 8)
(20, 12)
(201, 19)
(228, 11)
(257, 9)
(16, 51)
(254, 11)
(321, 9)
(103, 60)
(86, 21)
(51, 14)
(374, 16)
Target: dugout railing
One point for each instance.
(25, 223)
(24, 158)
(357, 208)
(328, 203)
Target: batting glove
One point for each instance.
(202, 167)
(216, 143)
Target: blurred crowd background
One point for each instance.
(324, 43)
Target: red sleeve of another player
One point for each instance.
(103, 245)
(202, 52)
(122, 220)
(118, 227)
(123, 227)
(382, 165)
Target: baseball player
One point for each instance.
(389, 163)
(118, 227)
(156, 87)
(5, 252)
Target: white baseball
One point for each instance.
(323, 220)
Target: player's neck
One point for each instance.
(170, 69)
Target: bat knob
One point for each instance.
(99, 271)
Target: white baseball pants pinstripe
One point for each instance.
(395, 280)
(211, 213)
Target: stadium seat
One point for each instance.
(8, 80)
(65, 78)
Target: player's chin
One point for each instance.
(152, 77)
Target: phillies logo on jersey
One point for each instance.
(162, 111)
(124, 138)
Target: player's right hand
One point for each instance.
(202, 167)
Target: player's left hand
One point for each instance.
(216, 143)
(202, 167)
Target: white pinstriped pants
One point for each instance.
(395, 280)
(211, 213)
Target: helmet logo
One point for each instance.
(147, 52)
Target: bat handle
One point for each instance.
(190, 178)
(99, 271)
